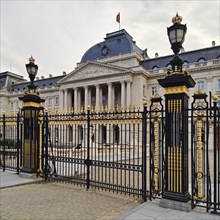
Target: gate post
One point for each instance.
(31, 108)
(176, 139)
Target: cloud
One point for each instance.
(58, 33)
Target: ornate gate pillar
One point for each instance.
(31, 108)
(176, 138)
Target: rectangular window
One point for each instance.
(218, 85)
(49, 101)
(154, 90)
(56, 100)
(201, 85)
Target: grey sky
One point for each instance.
(58, 33)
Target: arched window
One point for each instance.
(201, 59)
(169, 66)
(155, 69)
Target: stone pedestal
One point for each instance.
(171, 204)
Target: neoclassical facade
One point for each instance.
(113, 73)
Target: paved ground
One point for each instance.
(55, 200)
(60, 201)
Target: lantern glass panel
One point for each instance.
(173, 36)
(180, 35)
(33, 70)
(28, 69)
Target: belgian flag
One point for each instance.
(118, 18)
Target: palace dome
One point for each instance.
(115, 43)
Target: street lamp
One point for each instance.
(176, 34)
(32, 124)
(176, 85)
(32, 72)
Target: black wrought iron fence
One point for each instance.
(205, 153)
(10, 142)
(121, 151)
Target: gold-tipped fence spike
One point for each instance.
(215, 98)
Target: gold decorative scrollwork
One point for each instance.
(156, 155)
(177, 90)
(40, 122)
(199, 120)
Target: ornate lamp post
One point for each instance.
(31, 108)
(176, 84)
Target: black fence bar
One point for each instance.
(144, 154)
(18, 143)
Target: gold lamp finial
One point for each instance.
(31, 60)
(177, 19)
(215, 98)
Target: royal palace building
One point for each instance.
(113, 73)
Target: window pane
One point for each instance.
(154, 90)
(201, 85)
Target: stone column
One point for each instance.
(122, 94)
(89, 96)
(97, 98)
(75, 99)
(70, 100)
(109, 96)
(100, 96)
(65, 99)
(61, 106)
(79, 99)
(86, 97)
(128, 94)
(113, 96)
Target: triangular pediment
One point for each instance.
(91, 70)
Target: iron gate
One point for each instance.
(117, 150)
(10, 142)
